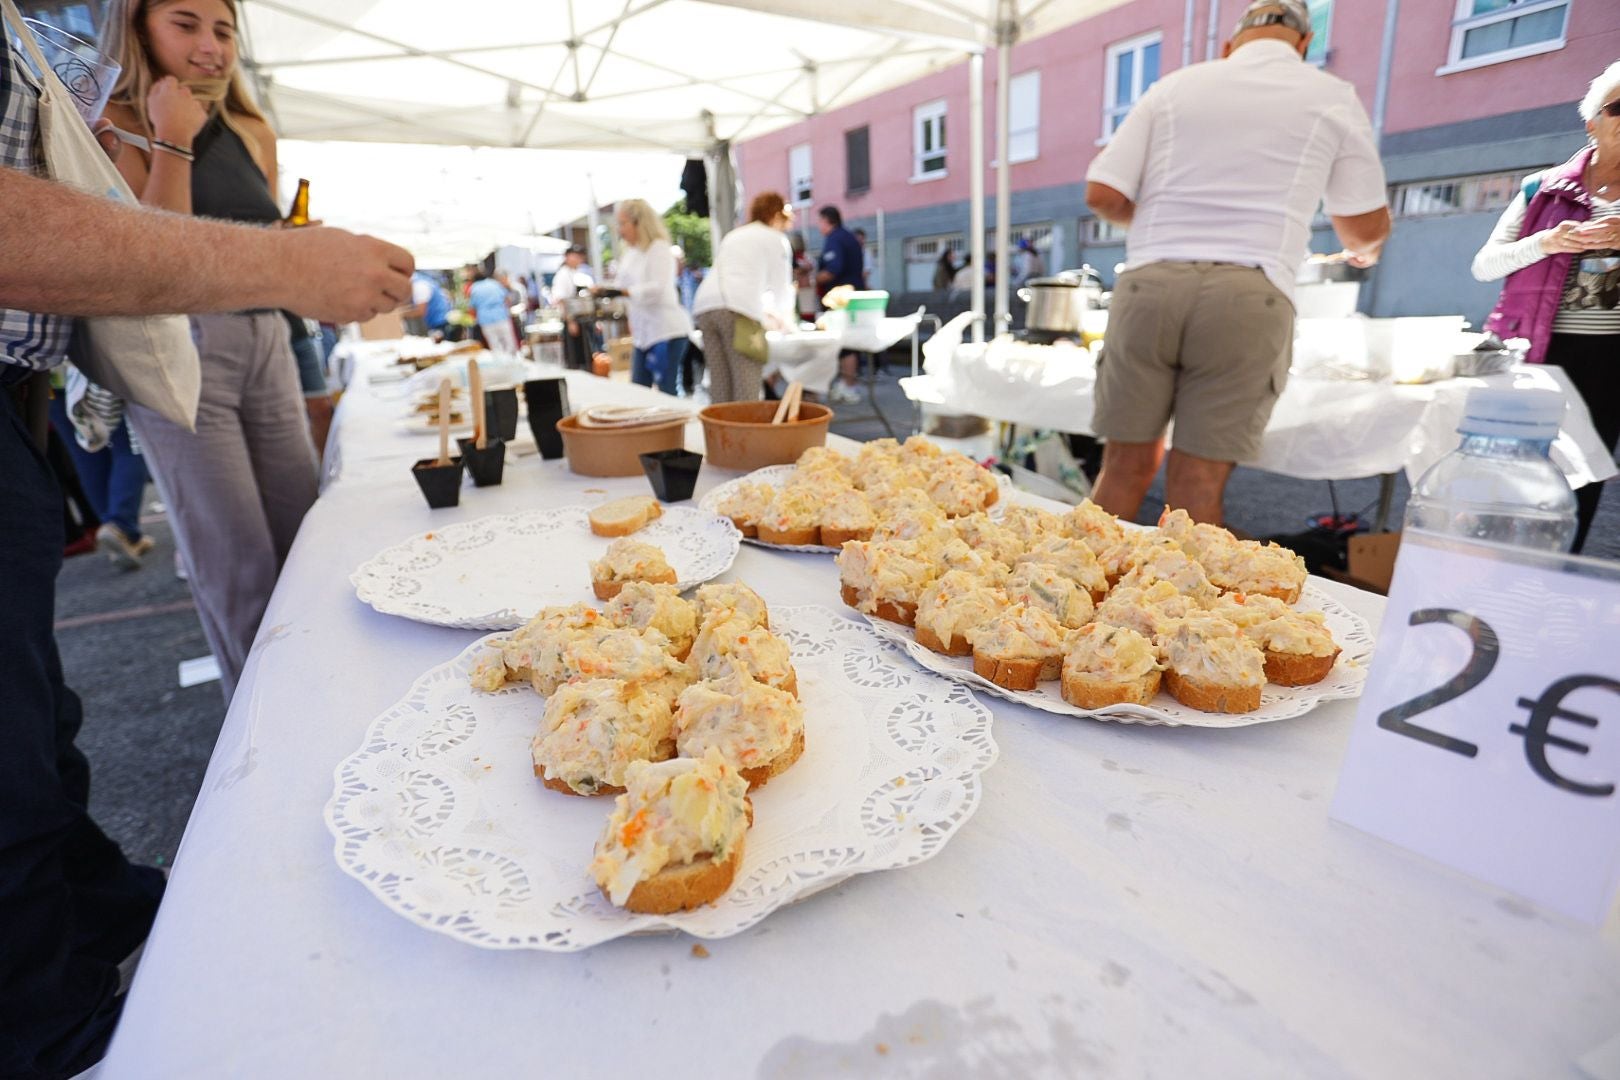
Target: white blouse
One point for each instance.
(752, 275)
(648, 277)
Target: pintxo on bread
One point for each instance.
(679, 707)
(1115, 614)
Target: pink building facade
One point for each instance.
(1472, 95)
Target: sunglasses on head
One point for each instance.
(1612, 108)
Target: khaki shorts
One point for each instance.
(1206, 343)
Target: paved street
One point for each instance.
(124, 634)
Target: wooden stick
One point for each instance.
(475, 387)
(796, 392)
(444, 422)
(781, 408)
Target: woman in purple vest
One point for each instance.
(1558, 245)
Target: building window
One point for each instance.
(78, 17)
(1491, 31)
(1132, 67)
(1024, 120)
(1099, 231)
(922, 254)
(1488, 192)
(928, 126)
(857, 160)
(799, 175)
(1321, 25)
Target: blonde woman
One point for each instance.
(752, 277)
(238, 487)
(645, 273)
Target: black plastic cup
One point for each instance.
(440, 484)
(500, 413)
(484, 466)
(548, 403)
(672, 473)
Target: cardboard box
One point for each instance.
(384, 326)
(620, 349)
(1372, 562)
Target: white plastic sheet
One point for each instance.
(1321, 429)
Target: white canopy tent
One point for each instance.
(691, 76)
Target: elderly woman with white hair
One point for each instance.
(644, 272)
(1558, 246)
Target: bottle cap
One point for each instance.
(1512, 413)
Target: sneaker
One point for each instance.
(84, 545)
(844, 394)
(120, 548)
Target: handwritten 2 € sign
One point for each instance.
(1488, 737)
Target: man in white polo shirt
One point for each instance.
(1217, 172)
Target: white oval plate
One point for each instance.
(496, 572)
(1350, 630)
(439, 813)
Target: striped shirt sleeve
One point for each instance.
(1506, 251)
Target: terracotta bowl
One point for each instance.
(616, 451)
(740, 435)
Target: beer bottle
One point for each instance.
(299, 214)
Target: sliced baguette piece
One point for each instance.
(895, 611)
(957, 646)
(1087, 692)
(559, 784)
(621, 517)
(1211, 697)
(759, 775)
(689, 885)
(794, 537)
(607, 590)
(1298, 669)
(749, 530)
(1017, 673)
(837, 538)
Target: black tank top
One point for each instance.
(225, 180)
(226, 184)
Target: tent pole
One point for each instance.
(976, 188)
(1006, 30)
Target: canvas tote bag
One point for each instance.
(150, 360)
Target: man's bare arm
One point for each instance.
(66, 253)
(1363, 235)
(1110, 204)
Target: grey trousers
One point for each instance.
(732, 376)
(237, 488)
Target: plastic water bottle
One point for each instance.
(1500, 484)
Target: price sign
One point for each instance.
(1488, 736)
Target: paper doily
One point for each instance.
(439, 814)
(1350, 630)
(496, 572)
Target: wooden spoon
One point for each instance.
(444, 422)
(475, 387)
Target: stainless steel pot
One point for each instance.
(1055, 303)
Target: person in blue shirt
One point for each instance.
(492, 307)
(842, 262)
(430, 304)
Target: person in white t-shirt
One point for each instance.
(752, 277)
(644, 273)
(573, 275)
(1218, 171)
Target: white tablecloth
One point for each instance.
(1127, 901)
(1321, 429)
(806, 356)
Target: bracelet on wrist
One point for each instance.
(181, 152)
